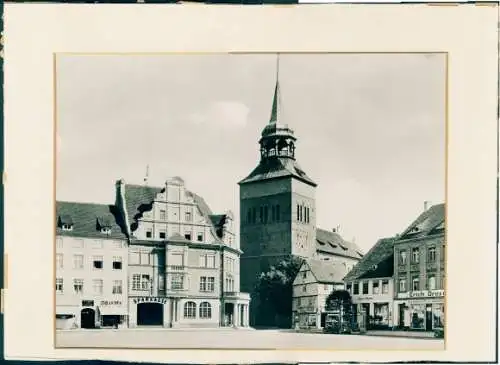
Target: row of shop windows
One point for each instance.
(422, 316)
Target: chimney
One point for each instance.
(426, 205)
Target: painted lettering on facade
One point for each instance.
(422, 294)
(150, 300)
(110, 302)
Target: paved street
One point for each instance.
(236, 339)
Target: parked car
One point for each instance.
(334, 324)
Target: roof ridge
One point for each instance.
(84, 203)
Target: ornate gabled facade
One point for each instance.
(157, 257)
(183, 259)
(278, 208)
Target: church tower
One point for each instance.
(277, 202)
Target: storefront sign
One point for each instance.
(150, 300)
(364, 297)
(110, 302)
(422, 294)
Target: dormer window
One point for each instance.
(104, 225)
(65, 222)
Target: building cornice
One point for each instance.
(205, 246)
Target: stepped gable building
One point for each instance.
(371, 284)
(419, 272)
(278, 208)
(91, 267)
(183, 259)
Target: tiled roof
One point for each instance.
(333, 243)
(374, 261)
(140, 198)
(218, 221)
(431, 221)
(278, 167)
(327, 272)
(87, 219)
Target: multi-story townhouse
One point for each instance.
(184, 260)
(419, 272)
(315, 280)
(91, 261)
(371, 284)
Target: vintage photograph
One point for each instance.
(250, 201)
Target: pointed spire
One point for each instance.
(276, 98)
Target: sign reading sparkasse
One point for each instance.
(422, 294)
(150, 300)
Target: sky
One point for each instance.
(370, 129)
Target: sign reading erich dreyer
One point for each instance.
(422, 294)
(150, 300)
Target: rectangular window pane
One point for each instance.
(145, 282)
(78, 286)
(136, 281)
(117, 286)
(97, 262)
(385, 287)
(59, 285)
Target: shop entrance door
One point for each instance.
(150, 314)
(87, 319)
(401, 315)
(428, 317)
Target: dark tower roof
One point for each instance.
(277, 147)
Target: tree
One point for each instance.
(274, 291)
(339, 299)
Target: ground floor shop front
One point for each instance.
(376, 313)
(425, 314)
(172, 312)
(92, 313)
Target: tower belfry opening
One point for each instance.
(277, 139)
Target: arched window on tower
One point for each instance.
(291, 149)
(282, 148)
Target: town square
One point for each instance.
(151, 264)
